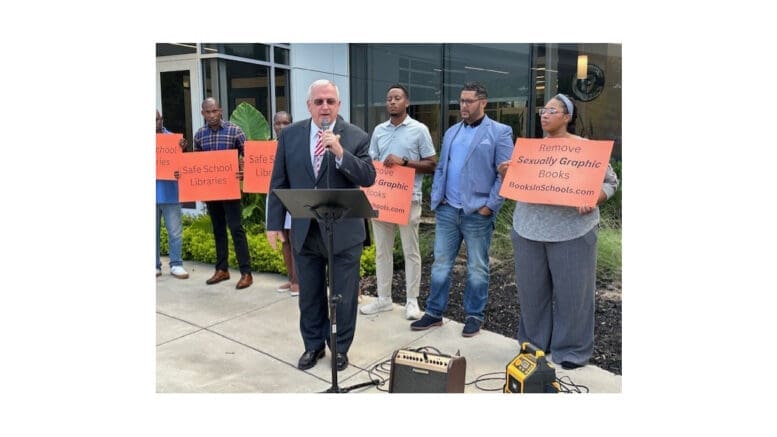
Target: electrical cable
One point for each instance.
(567, 386)
(487, 377)
(381, 372)
(384, 367)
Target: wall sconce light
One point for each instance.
(582, 66)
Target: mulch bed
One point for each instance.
(502, 311)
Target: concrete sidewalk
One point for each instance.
(216, 339)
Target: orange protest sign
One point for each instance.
(209, 176)
(257, 165)
(168, 153)
(556, 171)
(392, 193)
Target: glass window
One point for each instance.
(260, 52)
(596, 90)
(375, 67)
(181, 48)
(519, 78)
(175, 87)
(232, 82)
(434, 75)
(281, 55)
(282, 90)
(176, 101)
(502, 68)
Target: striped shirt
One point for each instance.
(227, 136)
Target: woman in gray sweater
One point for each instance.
(555, 260)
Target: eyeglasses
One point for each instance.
(551, 111)
(468, 101)
(319, 102)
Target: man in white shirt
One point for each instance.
(400, 140)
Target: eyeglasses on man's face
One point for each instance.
(319, 102)
(551, 111)
(468, 101)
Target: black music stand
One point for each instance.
(328, 206)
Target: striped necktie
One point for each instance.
(319, 152)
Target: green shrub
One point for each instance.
(198, 245)
(253, 209)
(263, 257)
(611, 210)
(367, 262)
(608, 262)
(426, 194)
(163, 246)
(426, 240)
(609, 258)
(609, 245)
(501, 242)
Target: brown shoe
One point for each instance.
(245, 280)
(220, 275)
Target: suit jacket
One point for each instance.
(480, 183)
(293, 169)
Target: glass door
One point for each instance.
(178, 97)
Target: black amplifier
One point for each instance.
(424, 372)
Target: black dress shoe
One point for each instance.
(309, 359)
(342, 361)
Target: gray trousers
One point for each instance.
(556, 285)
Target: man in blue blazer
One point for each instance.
(465, 198)
(311, 157)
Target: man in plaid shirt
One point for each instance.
(220, 134)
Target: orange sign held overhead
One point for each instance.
(168, 153)
(209, 176)
(258, 162)
(392, 193)
(557, 171)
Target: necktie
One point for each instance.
(319, 152)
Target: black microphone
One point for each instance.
(325, 127)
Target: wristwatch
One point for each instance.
(404, 160)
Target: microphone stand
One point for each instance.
(329, 215)
(327, 154)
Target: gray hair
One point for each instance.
(323, 82)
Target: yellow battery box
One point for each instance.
(530, 372)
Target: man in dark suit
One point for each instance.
(337, 157)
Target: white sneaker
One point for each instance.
(412, 312)
(158, 272)
(179, 272)
(377, 305)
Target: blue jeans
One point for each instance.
(452, 227)
(172, 215)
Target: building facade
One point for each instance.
(520, 78)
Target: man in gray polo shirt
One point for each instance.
(400, 140)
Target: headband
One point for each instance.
(567, 103)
